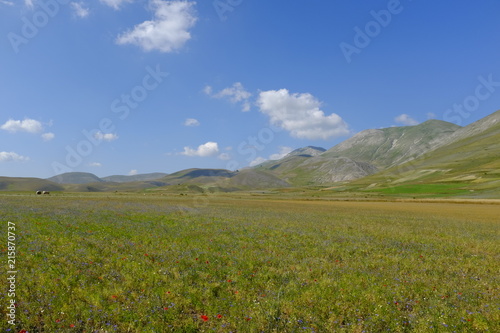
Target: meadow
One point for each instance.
(136, 263)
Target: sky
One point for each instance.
(138, 86)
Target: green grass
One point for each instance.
(125, 263)
(424, 190)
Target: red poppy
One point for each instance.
(23, 331)
(72, 325)
(205, 318)
(219, 316)
(165, 308)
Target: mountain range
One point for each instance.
(434, 152)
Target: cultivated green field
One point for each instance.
(135, 263)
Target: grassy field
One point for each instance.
(135, 263)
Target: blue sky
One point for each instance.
(138, 86)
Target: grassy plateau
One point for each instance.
(223, 263)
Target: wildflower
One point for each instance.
(72, 325)
(165, 308)
(219, 316)
(205, 318)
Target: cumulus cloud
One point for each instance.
(95, 164)
(133, 172)
(406, 120)
(80, 10)
(26, 125)
(167, 31)
(48, 136)
(205, 150)
(105, 137)
(115, 3)
(235, 94)
(191, 122)
(300, 115)
(11, 157)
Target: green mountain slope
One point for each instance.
(364, 154)
(75, 178)
(471, 161)
(28, 184)
(394, 145)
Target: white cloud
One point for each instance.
(80, 10)
(431, 115)
(29, 3)
(95, 164)
(406, 120)
(236, 94)
(133, 172)
(167, 31)
(208, 149)
(282, 153)
(208, 90)
(300, 114)
(11, 157)
(26, 125)
(106, 137)
(8, 3)
(48, 136)
(224, 156)
(257, 161)
(191, 122)
(115, 3)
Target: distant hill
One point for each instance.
(134, 178)
(466, 159)
(225, 180)
(75, 178)
(28, 184)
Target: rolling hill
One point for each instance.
(134, 178)
(409, 159)
(75, 178)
